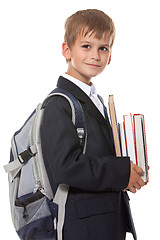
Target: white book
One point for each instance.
(129, 137)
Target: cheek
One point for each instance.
(105, 59)
(78, 60)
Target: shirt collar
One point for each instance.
(89, 90)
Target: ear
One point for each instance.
(66, 51)
(109, 60)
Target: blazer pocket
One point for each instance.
(94, 206)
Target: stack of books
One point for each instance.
(130, 138)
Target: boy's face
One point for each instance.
(87, 57)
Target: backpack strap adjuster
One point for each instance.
(25, 156)
(15, 166)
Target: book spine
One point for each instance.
(114, 125)
(122, 139)
(129, 137)
(134, 134)
(141, 152)
(145, 145)
(125, 133)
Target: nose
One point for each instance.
(94, 55)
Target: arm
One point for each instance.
(63, 158)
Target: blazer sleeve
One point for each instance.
(64, 161)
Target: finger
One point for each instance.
(137, 186)
(138, 169)
(132, 189)
(141, 182)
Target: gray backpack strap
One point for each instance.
(60, 199)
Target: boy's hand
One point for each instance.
(135, 181)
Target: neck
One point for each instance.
(73, 73)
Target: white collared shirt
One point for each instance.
(89, 90)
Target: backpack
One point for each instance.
(36, 212)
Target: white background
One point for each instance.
(31, 34)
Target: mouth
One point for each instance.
(93, 65)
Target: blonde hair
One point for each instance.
(88, 21)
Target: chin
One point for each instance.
(94, 75)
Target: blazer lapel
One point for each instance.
(84, 99)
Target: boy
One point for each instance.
(97, 205)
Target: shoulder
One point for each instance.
(58, 104)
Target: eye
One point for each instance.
(104, 49)
(86, 46)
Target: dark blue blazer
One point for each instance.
(96, 208)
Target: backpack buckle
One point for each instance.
(80, 132)
(25, 156)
